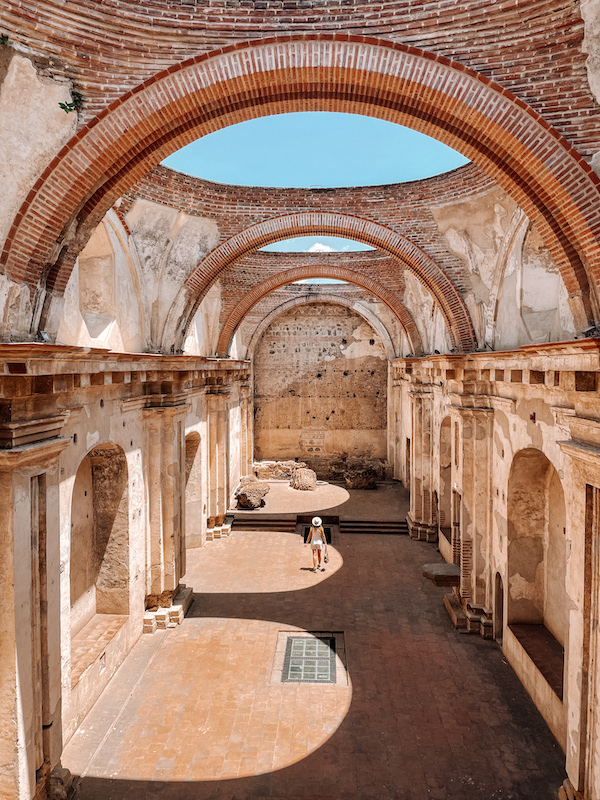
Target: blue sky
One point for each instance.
(315, 149)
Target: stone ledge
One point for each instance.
(442, 574)
(456, 612)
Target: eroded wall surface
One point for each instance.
(320, 377)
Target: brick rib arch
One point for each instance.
(339, 72)
(425, 268)
(307, 299)
(260, 290)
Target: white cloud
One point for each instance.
(318, 247)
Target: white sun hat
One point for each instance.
(317, 522)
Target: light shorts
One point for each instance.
(317, 545)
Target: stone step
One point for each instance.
(399, 528)
(258, 524)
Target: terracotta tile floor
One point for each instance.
(428, 713)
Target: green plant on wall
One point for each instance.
(76, 103)
(3, 38)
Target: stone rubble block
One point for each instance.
(361, 477)
(251, 492)
(276, 470)
(304, 479)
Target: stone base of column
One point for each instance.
(567, 792)
(468, 618)
(60, 785)
(423, 531)
(219, 530)
(162, 600)
(169, 616)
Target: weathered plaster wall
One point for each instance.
(516, 295)
(31, 133)
(203, 334)
(105, 302)
(320, 387)
(169, 245)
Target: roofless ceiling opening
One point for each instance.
(319, 150)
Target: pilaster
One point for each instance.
(30, 699)
(218, 495)
(166, 501)
(472, 525)
(421, 524)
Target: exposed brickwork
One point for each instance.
(254, 268)
(513, 145)
(447, 296)
(275, 304)
(532, 48)
(405, 207)
(264, 288)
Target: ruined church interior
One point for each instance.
(179, 398)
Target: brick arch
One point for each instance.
(334, 72)
(306, 299)
(264, 288)
(458, 321)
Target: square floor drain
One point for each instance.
(304, 657)
(309, 660)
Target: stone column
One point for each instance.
(421, 524)
(30, 673)
(217, 458)
(474, 472)
(582, 654)
(166, 500)
(247, 430)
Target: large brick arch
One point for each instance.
(339, 72)
(307, 299)
(425, 268)
(264, 288)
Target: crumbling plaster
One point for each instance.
(510, 270)
(105, 302)
(31, 134)
(169, 245)
(320, 387)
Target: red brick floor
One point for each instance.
(428, 713)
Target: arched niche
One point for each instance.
(536, 544)
(100, 536)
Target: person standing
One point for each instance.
(318, 543)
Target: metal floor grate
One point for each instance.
(309, 660)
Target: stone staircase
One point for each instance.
(396, 527)
(282, 525)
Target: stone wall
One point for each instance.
(320, 388)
